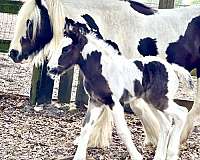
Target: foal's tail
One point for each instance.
(183, 74)
(102, 132)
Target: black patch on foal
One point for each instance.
(125, 97)
(138, 88)
(141, 8)
(154, 85)
(95, 83)
(92, 24)
(186, 51)
(114, 45)
(147, 47)
(139, 65)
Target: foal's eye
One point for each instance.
(81, 30)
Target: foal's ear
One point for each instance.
(68, 22)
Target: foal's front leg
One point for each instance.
(123, 131)
(94, 111)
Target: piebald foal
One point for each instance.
(111, 78)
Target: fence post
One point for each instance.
(166, 4)
(41, 86)
(81, 96)
(36, 74)
(65, 87)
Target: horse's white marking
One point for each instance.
(43, 2)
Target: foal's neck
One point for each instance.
(96, 44)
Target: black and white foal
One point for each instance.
(110, 78)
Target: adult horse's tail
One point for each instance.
(102, 133)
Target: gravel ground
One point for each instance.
(26, 134)
(29, 135)
(14, 78)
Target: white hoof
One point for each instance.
(38, 108)
(75, 142)
(137, 157)
(79, 157)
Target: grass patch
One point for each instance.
(4, 45)
(11, 7)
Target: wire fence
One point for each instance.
(7, 25)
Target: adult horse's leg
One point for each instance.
(194, 112)
(41, 85)
(65, 86)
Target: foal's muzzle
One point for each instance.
(53, 72)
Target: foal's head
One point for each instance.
(71, 52)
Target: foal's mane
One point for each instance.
(101, 43)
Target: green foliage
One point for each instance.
(4, 45)
(178, 2)
(7, 6)
(195, 1)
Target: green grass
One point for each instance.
(4, 45)
(12, 7)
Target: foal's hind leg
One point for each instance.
(87, 129)
(123, 131)
(150, 123)
(179, 115)
(164, 135)
(193, 113)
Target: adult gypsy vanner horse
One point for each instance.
(39, 31)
